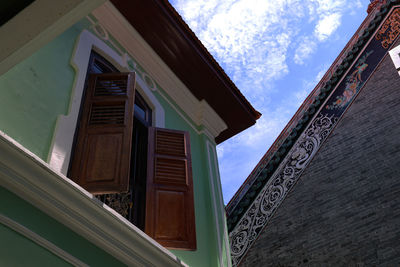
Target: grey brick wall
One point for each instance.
(345, 209)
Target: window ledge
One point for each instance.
(29, 177)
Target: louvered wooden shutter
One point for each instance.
(102, 153)
(169, 206)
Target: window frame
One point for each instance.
(169, 226)
(59, 155)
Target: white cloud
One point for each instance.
(320, 74)
(267, 128)
(327, 25)
(301, 95)
(328, 6)
(196, 13)
(305, 49)
(308, 85)
(240, 154)
(252, 34)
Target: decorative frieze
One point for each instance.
(277, 188)
(389, 30)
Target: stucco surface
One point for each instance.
(35, 92)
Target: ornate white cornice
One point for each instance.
(198, 111)
(206, 116)
(29, 177)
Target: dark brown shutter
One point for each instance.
(169, 205)
(103, 149)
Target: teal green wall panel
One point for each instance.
(40, 223)
(17, 250)
(35, 92)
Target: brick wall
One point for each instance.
(345, 209)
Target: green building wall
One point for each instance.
(34, 94)
(18, 250)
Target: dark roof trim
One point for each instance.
(9, 9)
(252, 191)
(171, 38)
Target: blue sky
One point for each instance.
(275, 51)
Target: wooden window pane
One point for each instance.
(101, 160)
(170, 206)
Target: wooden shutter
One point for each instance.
(103, 148)
(169, 191)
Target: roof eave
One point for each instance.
(171, 38)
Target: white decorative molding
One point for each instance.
(29, 177)
(60, 149)
(395, 55)
(206, 117)
(37, 24)
(187, 120)
(41, 241)
(116, 25)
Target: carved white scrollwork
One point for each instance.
(276, 189)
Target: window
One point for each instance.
(142, 172)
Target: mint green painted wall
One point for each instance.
(19, 251)
(225, 249)
(38, 90)
(32, 218)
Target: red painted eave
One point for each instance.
(171, 38)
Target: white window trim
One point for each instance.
(61, 147)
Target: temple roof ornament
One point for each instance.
(374, 4)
